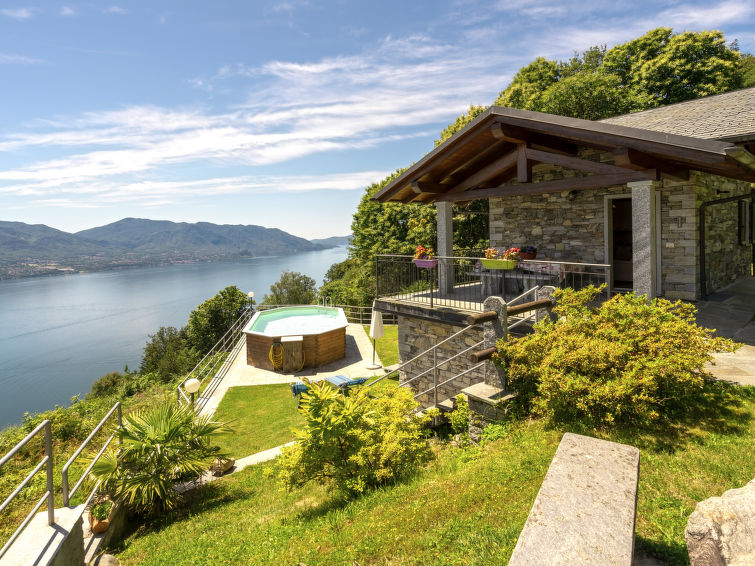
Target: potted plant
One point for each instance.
(500, 260)
(528, 252)
(423, 257)
(99, 514)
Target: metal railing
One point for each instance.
(463, 283)
(49, 494)
(67, 495)
(213, 364)
(432, 350)
(355, 314)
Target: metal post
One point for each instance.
(435, 377)
(431, 278)
(50, 486)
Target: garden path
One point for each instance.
(731, 311)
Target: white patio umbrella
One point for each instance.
(376, 331)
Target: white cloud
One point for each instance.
(19, 14)
(12, 59)
(708, 17)
(117, 10)
(67, 11)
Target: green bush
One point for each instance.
(159, 448)
(354, 443)
(627, 360)
(459, 417)
(108, 384)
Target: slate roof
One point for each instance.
(729, 116)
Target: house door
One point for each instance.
(620, 243)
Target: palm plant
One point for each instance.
(159, 448)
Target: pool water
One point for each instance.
(287, 321)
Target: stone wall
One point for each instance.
(562, 226)
(415, 336)
(725, 259)
(570, 226)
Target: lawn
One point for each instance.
(467, 507)
(262, 417)
(387, 346)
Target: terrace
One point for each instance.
(457, 286)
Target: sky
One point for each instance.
(275, 113)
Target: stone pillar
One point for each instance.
(644, 237)
(491, 333)
(445, 248)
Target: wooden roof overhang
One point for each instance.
(504, 143)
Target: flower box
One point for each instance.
(499, 263)
(426, 263)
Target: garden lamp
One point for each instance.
(191, 387)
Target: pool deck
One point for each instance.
(354, 364)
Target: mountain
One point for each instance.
(27, 249)
(19, 240)
(333, 241)
(162, 236)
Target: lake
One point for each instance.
(59, 334)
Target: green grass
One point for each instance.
(450, 514)
(387, 346)
(261, 415)
(467, 507)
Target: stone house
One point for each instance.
(660, 202)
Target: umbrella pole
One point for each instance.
(374, 365)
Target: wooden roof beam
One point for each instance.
(574, 162)
(575, 183)
(488, 172)
(633, 159)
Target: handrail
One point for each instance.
(418, 356)
(49, 494)
(464, 351)
(458, 375)
(66, 494)
(209, 363)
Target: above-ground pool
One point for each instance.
(290, 338)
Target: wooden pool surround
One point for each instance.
(319, 349)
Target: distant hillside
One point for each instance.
(162, 236)
(333, 241)
(27, 249)
(20, 240)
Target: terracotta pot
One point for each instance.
(97, 525)
(426, 263)
(499, 263)
(523, 255)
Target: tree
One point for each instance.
(460, 122)
(168, 353)
(529, 84)
(292, 289)
(159, 447)
(592, 96)
(353, 443)
(676, 67)
(657, 68)
(748, 70)
(212, 319)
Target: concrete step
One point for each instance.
(446, 406)
(488, 394)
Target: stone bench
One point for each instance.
(585, 510)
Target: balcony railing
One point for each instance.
(463, 283)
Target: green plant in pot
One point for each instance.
(99, 514)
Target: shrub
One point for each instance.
(628, 360)
(159, 448)
(354, 443)
(459, 417)
(108, 384)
